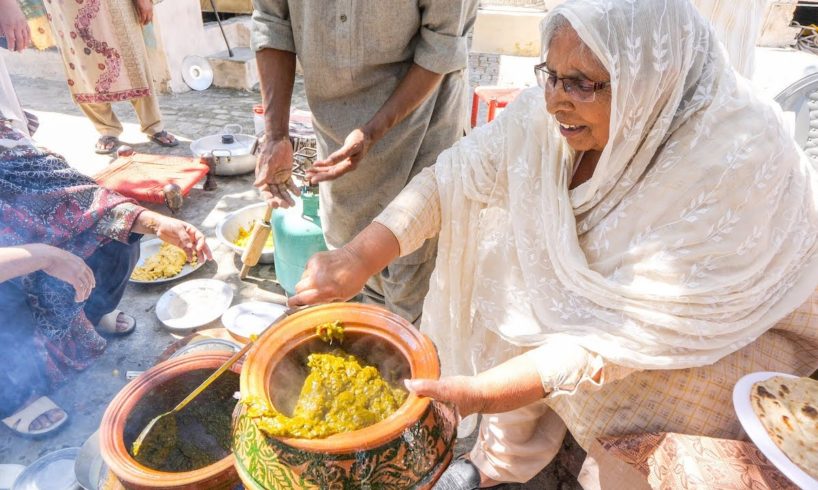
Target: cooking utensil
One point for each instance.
(164, 425)
(229, 153)
(227, 231)
(255, 246)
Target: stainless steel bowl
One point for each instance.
(228, 229)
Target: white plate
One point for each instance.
(251, 318)
(193, 303)
(148, 248)
(54, 471)
(758, 434)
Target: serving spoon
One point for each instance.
(164, 424)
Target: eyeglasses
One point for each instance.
(578, 89)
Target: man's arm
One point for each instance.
(415, 87)
(274, 165)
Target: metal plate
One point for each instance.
(197, 73)
(794, 100)
(54, 471)
(193, 304)
(148, 248)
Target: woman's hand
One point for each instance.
(508, 386)
(463, 392)
(144, 11)
(337, 275)
(274, 168)
(13, 25)
(346, 159)
(185, 236)
(67, 267)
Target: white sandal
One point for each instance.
(21, 421)
(107, 324)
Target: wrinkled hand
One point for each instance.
(461, 391)
(274, 169)
(68, 267)
(144, 11)
(185, 236)
(13, 25)
(337, 275)
(346, 159)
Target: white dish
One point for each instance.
(148, 248)
(228, 229)
(251, 318)
(758, 434)
(193, 303)
(89, 468)
(54, 471)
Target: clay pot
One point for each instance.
(117, 430)
(409, 449)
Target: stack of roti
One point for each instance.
(788, 410)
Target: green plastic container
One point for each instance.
(298, 236)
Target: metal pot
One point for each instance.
(228, 153)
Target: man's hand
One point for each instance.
(183, 235)
(144, 11)
(274, 169)
(336, 275)
(13, 25)
(67, 267)
(346, 159)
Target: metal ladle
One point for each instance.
(167, 421)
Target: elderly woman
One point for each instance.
(615, 251)
(67, 249)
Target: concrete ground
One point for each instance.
(189, 116)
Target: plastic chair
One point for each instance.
(495, 97)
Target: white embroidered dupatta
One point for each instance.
(696, 233)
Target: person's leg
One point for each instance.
(150, 118)
(148, 113)
(112, 265)
(102, 117)
(515, 446)
(107, 124)
(403, 285)
(22, 380)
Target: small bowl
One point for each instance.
(408, 449)
(228, 229)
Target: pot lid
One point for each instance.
(228, 143)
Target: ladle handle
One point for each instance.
(224, 367)
(235, 357)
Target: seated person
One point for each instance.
(616, 249)
(67, 249)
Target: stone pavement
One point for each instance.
(189, 116)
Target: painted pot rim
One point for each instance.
(418, 350)
(112, 427)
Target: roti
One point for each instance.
(788, 410)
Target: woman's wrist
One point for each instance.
(147, 222)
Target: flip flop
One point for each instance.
(21, 421)
(157, 138)
(107, 324)
(106, 145)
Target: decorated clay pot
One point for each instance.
(408, 449)
(142, 399)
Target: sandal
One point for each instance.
(108, 323)
(106, 145)
(163, 138)
(460, 475)
(21, 421)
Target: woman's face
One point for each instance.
(584, 125)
